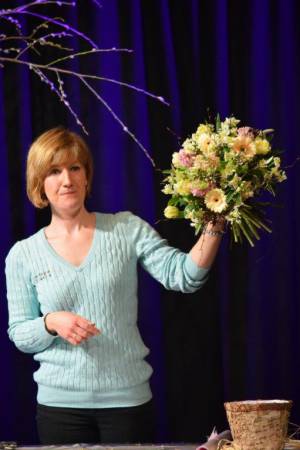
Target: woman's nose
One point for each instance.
(66, 178)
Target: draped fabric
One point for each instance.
(239, 337)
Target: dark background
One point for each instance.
(237, 338)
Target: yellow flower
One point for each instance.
(215, 200)
(203, 129)
(189, 214)
(246, 190)
(234, 216)
(247, 195)
(277, 161)
(232, 122)
(281, 176)
(167, 189)
(205, 142)
(188, 146)
(171, 212)
(235, 181)
(199, 162)
(182, 187)
(262, 164)
(209, 162)
(192, 214)
(278, 174)
(213, 161)
(262, 146)
(244, 146)
(176, 159)
(224, 139)
(228, 170)
(199, 184)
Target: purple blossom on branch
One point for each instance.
(51, 33)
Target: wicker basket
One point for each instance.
(259, 424)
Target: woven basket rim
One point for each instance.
(258, 405)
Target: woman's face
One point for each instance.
(65, 186)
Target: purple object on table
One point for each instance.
(214, 439)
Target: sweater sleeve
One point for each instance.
(173, 268)
(26, 326)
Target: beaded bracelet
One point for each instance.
(213, 233)
(53, 333)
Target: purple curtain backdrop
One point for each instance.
(239, 336)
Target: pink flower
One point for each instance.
(246, 132)
(198, 192)
(185, 159)
(202, 192)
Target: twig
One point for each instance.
(125, 129)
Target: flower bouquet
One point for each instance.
(217, 174)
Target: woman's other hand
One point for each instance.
(71, 327)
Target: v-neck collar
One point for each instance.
(62, 260)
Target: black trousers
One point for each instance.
(126, 425)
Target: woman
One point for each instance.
(72, 295)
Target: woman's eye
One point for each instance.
(54, 171)
(75, 168)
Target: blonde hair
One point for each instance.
(54, 147)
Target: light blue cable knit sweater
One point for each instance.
(108, 370)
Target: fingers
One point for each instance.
(75, 329)
(81, 331)
(75, 338)
(87, 332)
(87, 326)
